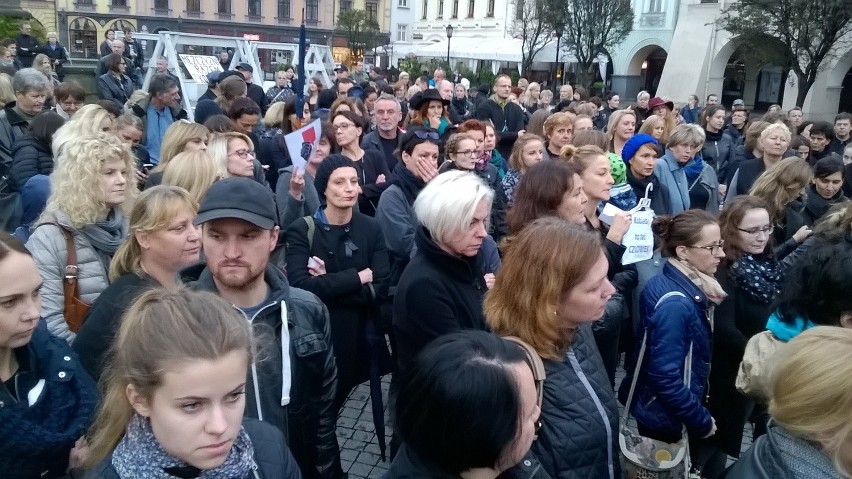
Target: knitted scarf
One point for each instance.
(139, 455)
(760, 278)
(693, 168)
(407, 182)
(107, 235)
(706, 283)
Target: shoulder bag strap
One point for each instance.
(312, 226)
(635, 378)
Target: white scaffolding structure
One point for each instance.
(318, 60)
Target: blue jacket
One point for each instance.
(662, 401)
(673, 178)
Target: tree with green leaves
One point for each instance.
(361, 31)
(533, 27)
(811, 31)
(10, 27)
(591, 27)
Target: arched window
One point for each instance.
(120, 24)
(83, 35)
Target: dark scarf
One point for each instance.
(106, 235)
(407, 182)
(759, 277)
(139, 455)
(713, 136)
(640, 185)
(819, 206)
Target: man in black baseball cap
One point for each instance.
(255, 92)
(291, 389)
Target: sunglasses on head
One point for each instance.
(424, 134)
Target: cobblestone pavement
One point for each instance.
(359, 447)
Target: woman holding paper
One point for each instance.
(295, 193)
(596, 172)
(46, 398)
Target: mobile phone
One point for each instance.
(312, 263)
(147, 167)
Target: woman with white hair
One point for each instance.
(92, 188)
(442, 288)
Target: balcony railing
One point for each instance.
(161, 12)
(225, 16)
(652, 19)
(283, 20)
(193, 14)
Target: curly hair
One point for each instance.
(781, 184)
(75, 181)
(546, 260)
(89, 120)
(451, 146)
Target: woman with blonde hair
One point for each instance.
(530, 98)
(92, 188)
(810, 434)
(44, 64)
(89, 120)
(552, 286)
(162, 240)
(621, 126)
(781, 187)
(527, 151)
(7, 93)
(772, 143)
(656, 126)
(175, 395)
(234, 153)
(193, 171)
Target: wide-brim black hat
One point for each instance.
(418, 99)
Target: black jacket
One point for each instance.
(256, 93)
(12, 128)
(351, 305)
(62, 412)
(369, 168)
(372, 141)
(28, 48)
(508, 121)
(115, 90)
(140, 109)
(309, 420)
(437, 294)
(736, 320)
(579, 415)
(103, 320)
(58, 54)
(784, 230)
(408, 465)
(717, 151)
(137, 61)
(747, 174)
(31, 157)
(271, 456)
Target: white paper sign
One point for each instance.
(639, 239)
(302, 143)
(199, 66)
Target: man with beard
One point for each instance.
(294, 387)
(388, 114)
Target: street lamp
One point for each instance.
(449, 37)
(556, 70)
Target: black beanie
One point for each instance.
(324, 170)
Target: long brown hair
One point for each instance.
(547, 259)
(682, 229)
(161, 328)
(540, 193)
(781, 184)
(729, 223)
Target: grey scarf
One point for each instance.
(107, 235)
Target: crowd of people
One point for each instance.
(177, 299)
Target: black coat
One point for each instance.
(717, 152)
(437, 294)
(369, 168)
(508, 121)
(408, 465)
(12, 128)
(31, 157)
(736, 320)
(58, 54)
(28, 48)
(103, 320)
(816, 206)
(784, 230)
(256, 93)
(351, 305)
(273, 459)
(309, 420)
(115, 90)
(579, 415)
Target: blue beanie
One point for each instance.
(634, 143)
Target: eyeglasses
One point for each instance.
(70, 104)
(471, 153)
(342, 126)
(243, 153)
(713, 248)
(756, 230)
